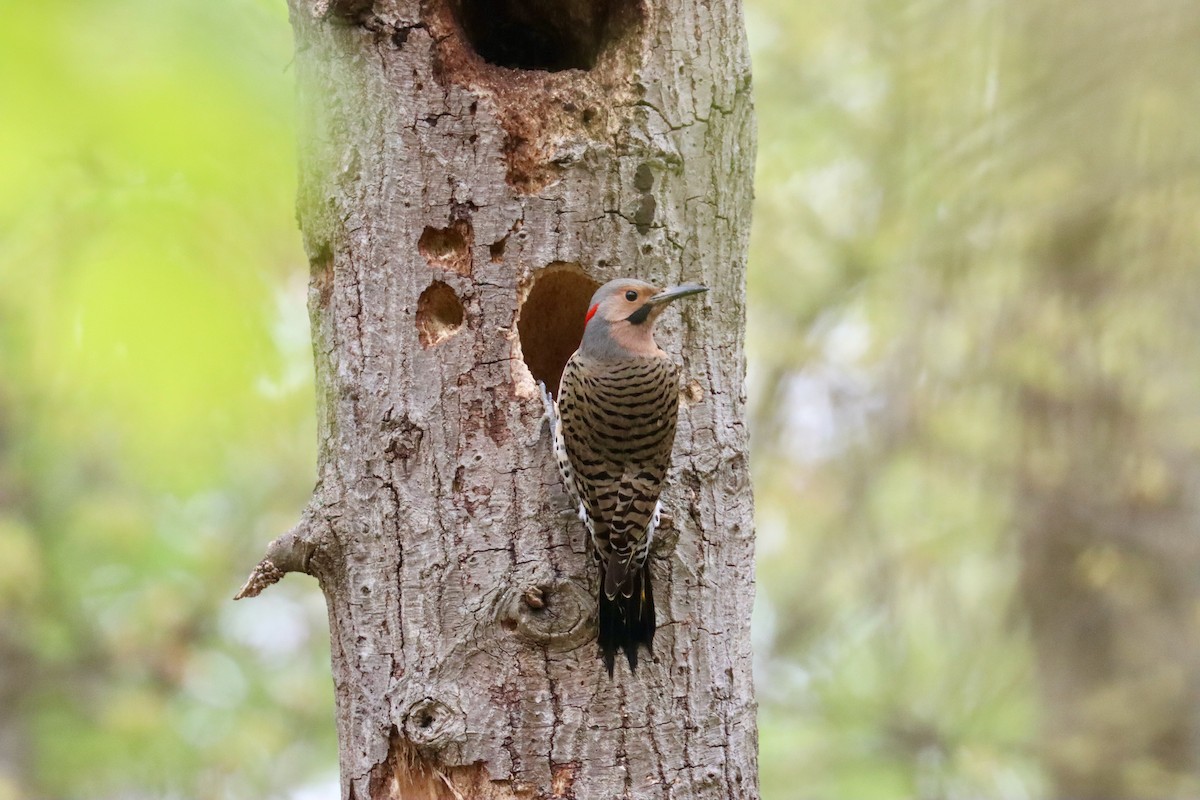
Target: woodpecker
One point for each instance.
(614, 428)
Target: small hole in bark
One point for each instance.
(552, 319)
(496, 250)
(643, 178)
(320, 268)
(439, 314)
(643, 218)
(424, 721)
(550, 35)
(448, 248)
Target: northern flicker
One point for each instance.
(614, 429)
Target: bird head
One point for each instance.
(621, 315)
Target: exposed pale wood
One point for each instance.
(433, 188)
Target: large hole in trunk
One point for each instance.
(552, 318)
(550, 35)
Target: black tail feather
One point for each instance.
(626, 622)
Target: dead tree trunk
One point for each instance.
(471, 170)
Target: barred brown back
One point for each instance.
(618, 429)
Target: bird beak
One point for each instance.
(676, 292)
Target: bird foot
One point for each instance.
(656, 521)
(548, 402)
(549, 415)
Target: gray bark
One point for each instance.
(458, 213)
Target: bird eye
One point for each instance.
(631, 295)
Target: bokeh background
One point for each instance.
(975, 387)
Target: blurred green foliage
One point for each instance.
(974, 377)
(974, 359)
(156, 409)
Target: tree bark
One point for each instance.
(471, 171)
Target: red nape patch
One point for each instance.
(591, 313)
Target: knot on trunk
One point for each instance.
(555, 614)
(432, 725)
